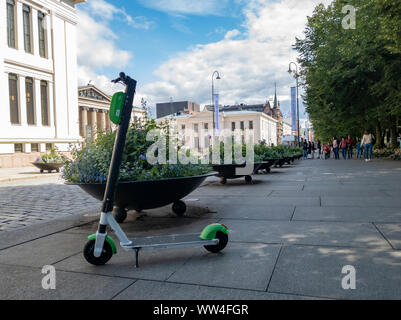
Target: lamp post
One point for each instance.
(296, 75)
(217, 78)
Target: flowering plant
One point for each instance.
(51, 157)
(91, 163)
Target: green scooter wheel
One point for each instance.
(223, 240)
(89, 256)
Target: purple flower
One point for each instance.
(142, 157)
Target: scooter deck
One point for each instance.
(169, 241)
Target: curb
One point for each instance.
(49, 175)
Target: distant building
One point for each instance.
(169, 108)
(195, 130)
(94, 108)
(38, 79)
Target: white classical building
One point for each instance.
(38, 78)
(195, 130)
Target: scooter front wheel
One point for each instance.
(223, 240)
(89, 256)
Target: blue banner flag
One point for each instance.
(294, 109)
(217, 113)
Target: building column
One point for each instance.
(22, 100)
(103, 120)
(35, 32)
(93, 123)
(84, 121)
(38, 102)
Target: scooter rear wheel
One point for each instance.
(89, 256)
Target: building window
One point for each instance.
(242, 125)
(44, 103)
(206, 126)
(34, 147)
(196, 127)
(13, 92)
(250, 125)
(30, 108)
(183, 127)
(49, 146)
(26, 14)
(11, 23)
(18, 148)
(233, 126)
(42, 34)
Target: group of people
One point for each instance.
(345, 146)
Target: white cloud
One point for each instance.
(248, 67)
(195, 7)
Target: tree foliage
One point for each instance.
(352, 77)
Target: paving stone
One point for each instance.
(154, 290)
(241, 266)
(392, 232)
(22, 283)
(308, 233)
(317, 271)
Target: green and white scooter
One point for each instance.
(101, 247)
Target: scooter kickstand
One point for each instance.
(137, 257)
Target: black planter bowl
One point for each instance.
(148, 194)
(49, 167)
(228, 171)
(266, 164)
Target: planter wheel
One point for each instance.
(57, 170)
(248, 179)
(106, 255)
(223, 240)
(120, 214)
(223, 180)
(41, 170)
(268, 170)
(179, 208)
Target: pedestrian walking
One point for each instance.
(335, 148)
(343, 147)
(350, 143)
(326, 152)
(319, 149)
(358, 150)
(305, 150)
(368, 140)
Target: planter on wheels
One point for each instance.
(267, 164)
(148, 194)
(49, 167)
(228, 171)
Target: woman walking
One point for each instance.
(305, 150)
(367, 144)
(350, 143)
(335, 148)
(343, 147)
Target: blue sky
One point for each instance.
(172, 47)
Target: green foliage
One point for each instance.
(91, 163)
(51, 157)
(278, 152)
(352, 77)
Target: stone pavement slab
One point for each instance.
(240, 266)
(392, 232)
(155, 290)
(44, 251)
(307, 233)
(348, 214)
(21, 283)
(153, 264)
(316, 271)
(361, 201)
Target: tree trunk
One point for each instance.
(379, 136)
(393, 133)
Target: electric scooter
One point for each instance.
(101, 247)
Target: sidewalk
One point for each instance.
(291, 233)
(25, 173)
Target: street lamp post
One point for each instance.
(296, 75)
(217, 78)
